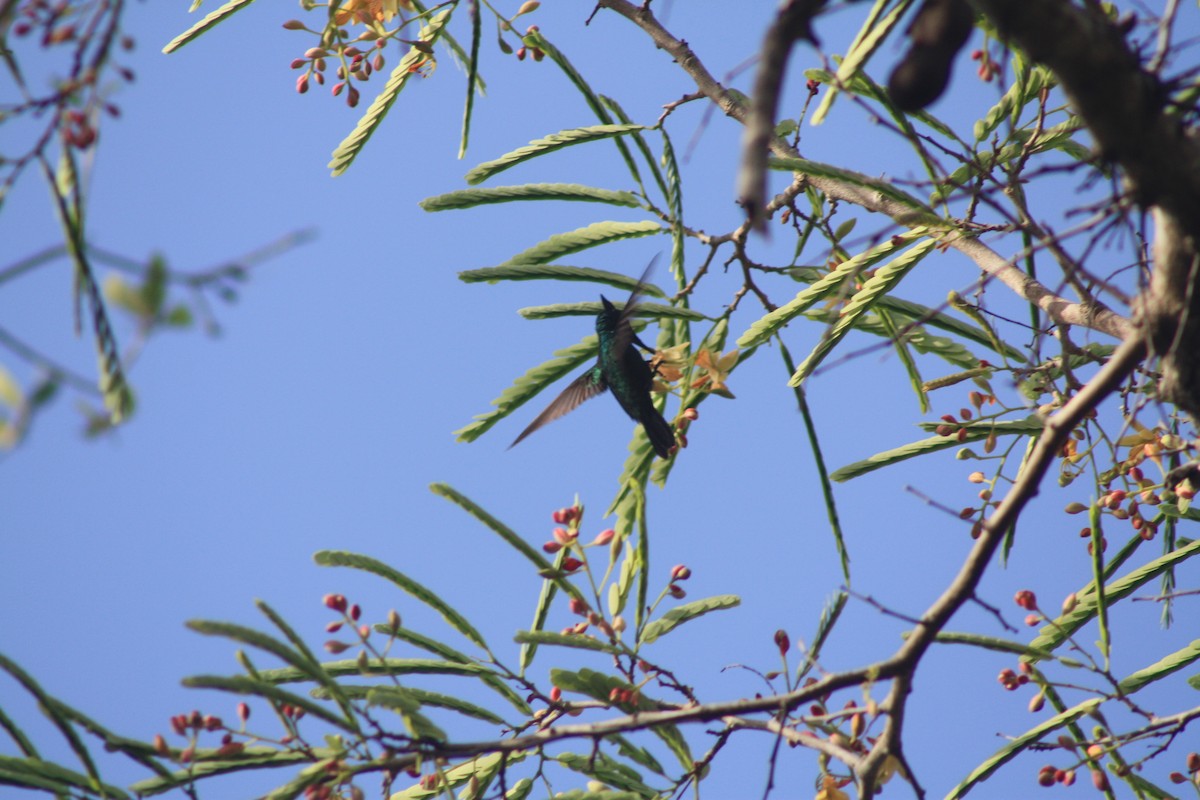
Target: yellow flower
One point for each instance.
(368, 11)
(830, 790)
(1148, 443)
(714, 370)
(669, 364)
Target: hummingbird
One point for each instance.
(619, 367)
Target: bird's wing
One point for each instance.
(585, 387)
(624, 331)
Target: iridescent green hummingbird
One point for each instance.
(619, 367)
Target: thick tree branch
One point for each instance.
(1125, 110)
(1059, 309)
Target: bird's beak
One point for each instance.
(607, 305)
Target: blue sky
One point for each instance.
(325, 408)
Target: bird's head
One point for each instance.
(607, 319)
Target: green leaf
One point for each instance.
(23, 742)
(470, 198)
(592, 309)
(240, 684)
(845, 229)
(439, 700)
(482, 768)
(1029, 426)
(548, 144)
(834, 281)
(1020, 744)
(924, 315)
(57, 712)
(520, 790)
(618, 590)
(472, 76)
(526, 387)
(1020, 93)
(531, 272)
(448, 653)
(581, 642)
(421, 697)
(1160, 669)
(879, 23)
(1000, 646)
(603, 794)
(609, 771)
(675, 617)
(206, 764)
(1051, 636)
(635, 753)
(861, 83)
(594, 235)
(922, 213)
(255, 638)
(220, 15)
(404, 703)
(598, 686)
(376, 666)
(311, 663)
(829, 617)
(883, 281)
(33, 773)
(154, 288)
(507, 534)
(639, 141)
(338, 558)
(600, 105)
(900, 344)
(594, 101)
(353, 144)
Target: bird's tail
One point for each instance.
(660, 432)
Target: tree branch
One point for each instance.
(1060, 310)
(1125, 109)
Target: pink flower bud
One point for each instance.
(604, 537)
(335, 602)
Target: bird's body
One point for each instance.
(618, 367)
